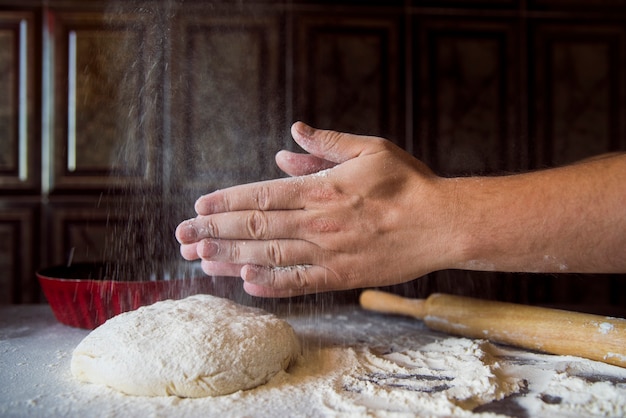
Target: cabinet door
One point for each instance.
(17, 254)
(609, 6)
(19, 122)
(142, 244)
(88, 232)
(105, 99)
(226, 73)
(468, 97)
(347, 73)
(578, 90)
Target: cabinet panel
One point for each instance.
(590, 5)
(88, 232)
(347, 73)
(17, 252)
(227, 97)
(142, 243)
(578, 90)
(19, 127)
(481, 4)
(105, 102)
(468, 96)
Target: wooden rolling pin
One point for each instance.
(549, 330)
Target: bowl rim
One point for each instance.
(52, 273)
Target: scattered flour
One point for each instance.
(449, 377)
(353, 364)
(571, 387)
(322, 173)
(444, 378)
(605, 327)
(300, 267)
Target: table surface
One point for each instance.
(35, 352)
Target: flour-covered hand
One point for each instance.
(358, 211)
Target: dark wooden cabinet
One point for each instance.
(104, 133)
(19, 99)
(19, 252)
(578, 90)
(116, 115)
(469, 98)
(226, 77)
(348, 72)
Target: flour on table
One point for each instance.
(194, 347)
(444, 378)
(356, 364)
(571, 386)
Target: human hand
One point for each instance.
(358, 211)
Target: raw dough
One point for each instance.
(194, 347)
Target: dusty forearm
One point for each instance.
(570, 219)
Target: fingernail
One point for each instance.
(252, 274)
(186, 232)
(304, 129)
(204, 205)
(199, 206)
(207, 249)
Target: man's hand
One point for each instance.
(358, 212)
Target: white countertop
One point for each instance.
(36, 350)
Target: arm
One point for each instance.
(567, 219)
(381, 217)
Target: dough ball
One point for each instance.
(194, 347)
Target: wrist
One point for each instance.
(442, 235)
(476, 217)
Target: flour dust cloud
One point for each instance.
(203, 102)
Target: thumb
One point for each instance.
(332, 146)
(295, 164)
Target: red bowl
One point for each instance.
(80, 298)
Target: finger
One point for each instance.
(296, 164)
(336, 147)
(215, 268)
(268, 292)
(273, 253)
(265, 195)
(257, 225)
(190, 231)
(287, 281)
(189, 251)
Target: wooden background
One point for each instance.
(115, 116)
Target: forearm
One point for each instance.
(569, 219)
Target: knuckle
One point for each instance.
(211, 228)
(289, 277)
(233, 253)
(273, 279)
(330, 139)
(256, 224)
(262, 198)
(351, 279)
(226, 202)
(301, 278)
(324, 193)
(274, 254)
(323, 225)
